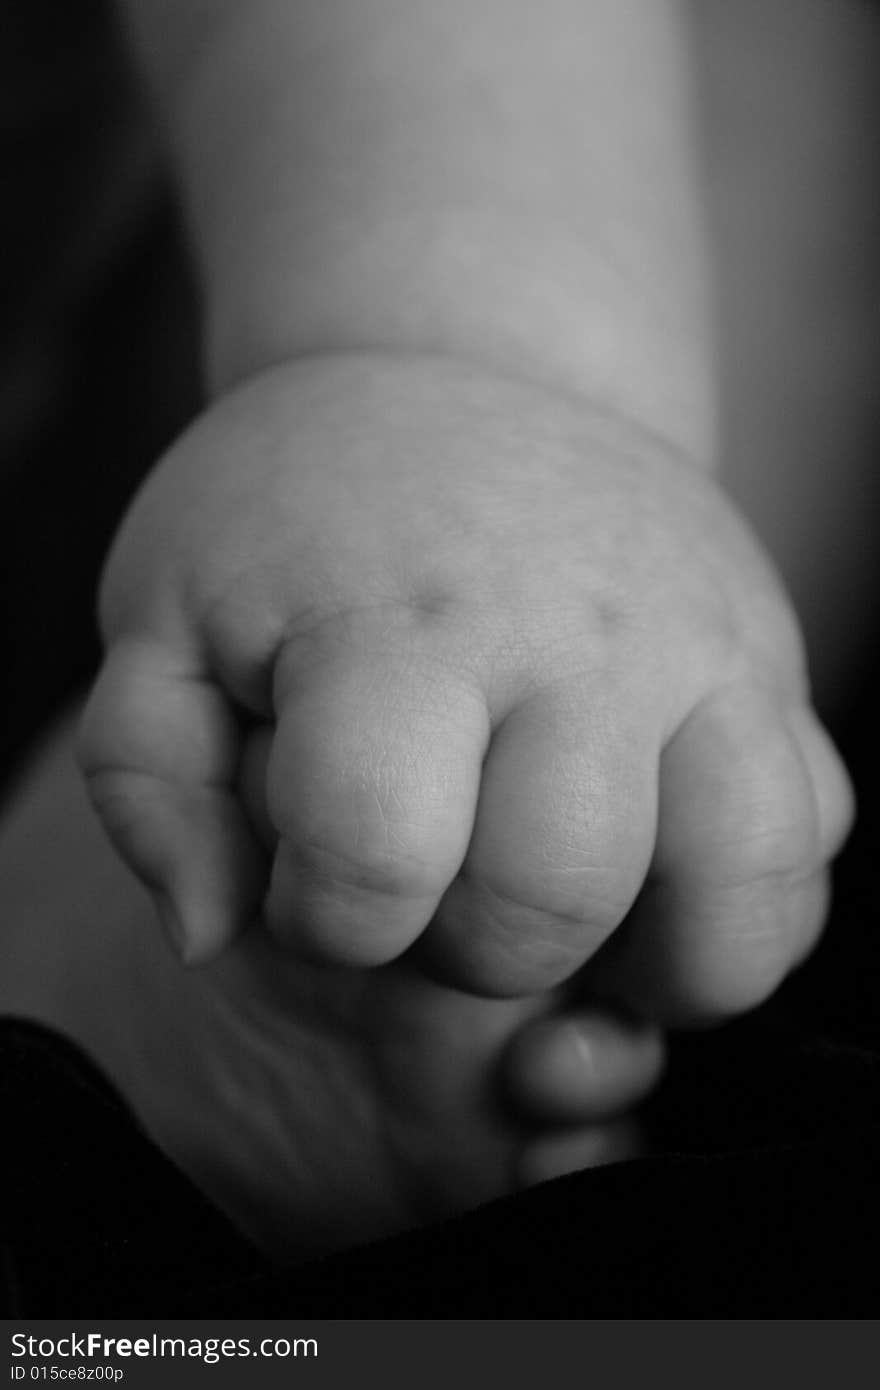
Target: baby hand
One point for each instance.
(400, 652)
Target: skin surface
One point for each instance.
(432, 647)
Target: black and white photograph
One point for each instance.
(440, 599)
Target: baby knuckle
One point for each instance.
(769, 928)
(113, 794)
(726, 995)
(777, 842)
(322, 634)
(553, 919)
(389, 869)
(737, 974)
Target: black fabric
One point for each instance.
(767, 1206)
(92, 1217)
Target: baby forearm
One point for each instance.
(494, 179)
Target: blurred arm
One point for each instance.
(496, 179)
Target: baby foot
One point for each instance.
(318, 1105)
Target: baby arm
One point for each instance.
(438, 617)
